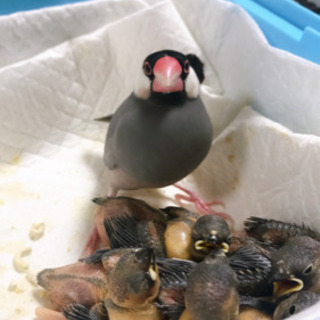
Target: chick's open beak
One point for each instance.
(204, 244)
(225, 247)
(284, 287)
(152, 268)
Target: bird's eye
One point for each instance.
(308, 269)
(292, 310)
(186, 66)
(147, 68)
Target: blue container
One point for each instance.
(11, 6)
(287, 25)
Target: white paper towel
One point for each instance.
(61, 67)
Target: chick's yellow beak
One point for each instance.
(284, 287)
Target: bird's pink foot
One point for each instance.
(202, 206)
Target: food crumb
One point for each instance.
(15, 287)
(12, 286)
(17, 310)
(19, 263)
(32, 278)
(18, 290)
(36, 231)
(43, 293)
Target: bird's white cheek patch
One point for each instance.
(142, 87)
(192, 85)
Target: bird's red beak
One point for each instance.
(167, 72)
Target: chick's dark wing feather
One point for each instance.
(123, 232)
(174, 272)
(77, 312)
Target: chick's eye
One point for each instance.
(308, 269)
(292, 310)
(147, 68)
(186, 67)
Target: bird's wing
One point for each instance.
(170, 302)
(249, 265)
(108, 157)
(277, 231)
(123, 232)
(174, 272)
(173, 275)
(77, 312)
(106, 118)
(253, 272)
(95, 257)
(115, 120)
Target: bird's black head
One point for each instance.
(296, 265)
(211, 291)
(170, 72)
(210, 233)
(134, 279)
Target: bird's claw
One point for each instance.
(202, 206)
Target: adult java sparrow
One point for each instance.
(162, 131)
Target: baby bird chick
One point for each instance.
(133, 283)
(212, 291)
(75, 283)
(276, 232)
(296, 266)
(193, 237)
(296, 303)
(125, 222)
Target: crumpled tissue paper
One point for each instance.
(62, 67)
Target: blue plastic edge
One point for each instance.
(287, 25)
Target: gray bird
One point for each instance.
(162, 131)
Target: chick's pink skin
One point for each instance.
(75, 283)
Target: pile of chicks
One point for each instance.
(171, 263)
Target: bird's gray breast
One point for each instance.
(158, 143)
